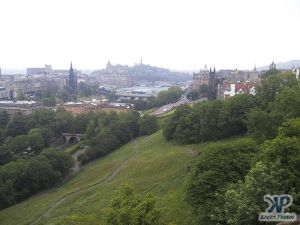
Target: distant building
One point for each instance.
(77, 108)
(272, 66)
(213, 83)
(297, 73)
(25, 86)
(4, 94)
(117, 80)
(231, 89)
(253, 75)
(239, 75)
(39, 71)
(24, 107)
(200, 78)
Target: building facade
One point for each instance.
(77, 108)
(200, 78)
(117, 80)
(24, 107)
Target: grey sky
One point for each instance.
(175, 34)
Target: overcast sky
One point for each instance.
(176, 34)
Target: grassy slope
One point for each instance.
(157, 167)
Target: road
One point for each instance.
(167, 108)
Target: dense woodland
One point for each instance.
(28, 161)
(227, 181)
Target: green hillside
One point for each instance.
(149, 164)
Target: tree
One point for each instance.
(112, 96)
(287, 102)
(262, 125)
(19, 144)
(91, 129)
(4, 118)
(193, 95)
(185, 131)
(7, 194)
(234, 114)
(106, 141)
(5, 156)
(45, 118)
(40, 174)
(171, 124)
(21, 97)
(171, 95)
(60, 161)
(47, 135)
(209, 116)
(2, 135)
(63, 121)
(85, 90)
(217, 166)
(132, 209)
(140, 105)
(290, 128)
(79, 124)
(272, 83)
(280, 158)
(122, 131)
(64, 95)
(148, 124)
(16, 126)
(49, 101)
(12, 175)
(203, 90)
(21, 178)
(36, 142)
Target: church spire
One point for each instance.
(72, 80)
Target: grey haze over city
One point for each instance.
(179, 35)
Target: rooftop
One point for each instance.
(18, 102)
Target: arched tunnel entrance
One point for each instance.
(71, 138)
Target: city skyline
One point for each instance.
(171, 34)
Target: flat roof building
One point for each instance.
(24, 107)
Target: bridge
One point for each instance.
(72, 138)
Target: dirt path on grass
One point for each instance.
(77, 164)
(190, 151)
(109, 177)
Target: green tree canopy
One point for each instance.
(217, 166)
(132, 209)
(148, 124)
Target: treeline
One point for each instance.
(106, 132)
(28, 165)
(228, 180)
(171, 95)
(259, 116)
(231, 178)
(202, 91)
(22, 178)
(55, 95)
(27, 135)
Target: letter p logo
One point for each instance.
(277, 203)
